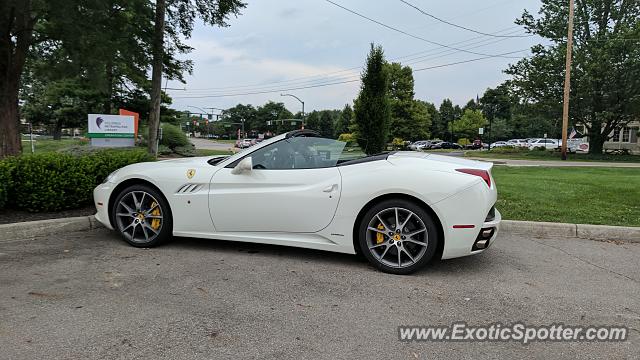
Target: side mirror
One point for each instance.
(244, 165)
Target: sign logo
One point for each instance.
(99, 122)
(191, 173)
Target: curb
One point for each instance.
(31, 229)
(572, 231)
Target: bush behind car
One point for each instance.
(58, 181)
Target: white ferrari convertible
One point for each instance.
(398, 209)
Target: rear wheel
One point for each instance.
(398, 236)
(142, 216)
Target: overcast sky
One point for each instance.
(289, 44)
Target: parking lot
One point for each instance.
(89, 295)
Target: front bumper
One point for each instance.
(101, 201)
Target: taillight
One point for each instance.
(484, 174)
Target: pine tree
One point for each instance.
(371, 107)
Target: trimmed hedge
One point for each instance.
(6, 179)
(58, 181)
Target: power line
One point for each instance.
(409, 34)
(410, 61)
(339, 82)
(460, 26)
(413, 58)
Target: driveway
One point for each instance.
(210, 144)
(545, 163)
(558, 163)
(88, 295)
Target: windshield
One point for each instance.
(304, 153)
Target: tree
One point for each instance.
(325, 127)
(343, 122)
(496, 104)
(233, 117)
(421, 119)
(500, 130)
(371, 107)
(273, 111)
(605, 79)
(468, 124)
(447, 113)
(181, 17)
(17, 20)
(409, 119)
(472, 105)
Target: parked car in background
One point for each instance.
(435, 144)
(420, 144)
(518, 142)
(545, 143)
(450, 145)
(499, 144)
(475, 145)
(244, 143)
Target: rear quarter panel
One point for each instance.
(415, 177)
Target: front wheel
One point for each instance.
(398, 236)
(142, 216)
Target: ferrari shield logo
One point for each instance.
(191, 173)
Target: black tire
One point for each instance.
(413, 252)
(146, 232)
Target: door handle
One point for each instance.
(330, 188)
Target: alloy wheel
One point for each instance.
(139, 217)
(397, 237)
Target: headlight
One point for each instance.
(110, 177)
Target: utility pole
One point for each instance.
(567, 83)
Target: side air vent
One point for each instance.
(189, 188)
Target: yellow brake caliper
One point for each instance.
(380, 237)
(155, 223)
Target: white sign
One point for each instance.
(111, 130)
(480, 131)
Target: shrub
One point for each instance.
(509, 150)
(173, 137)
(464, 141)
(164, 150)
(397, 143)
(348, 138)
(7, 167)
(188, 150)
(57, 181)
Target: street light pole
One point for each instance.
(567, 83)
(302, 102)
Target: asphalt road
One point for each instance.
(544, 163)
(89, 296)
(211, 144)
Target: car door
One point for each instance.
(291, 187)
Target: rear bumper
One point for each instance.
(461, 243)
(464, 216)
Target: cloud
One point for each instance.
(289, 12)
(250, 39)
(267, 68)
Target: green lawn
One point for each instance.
(49, 145)
(551, 155)
(570, 195)
(225, 141)
(207, 152)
